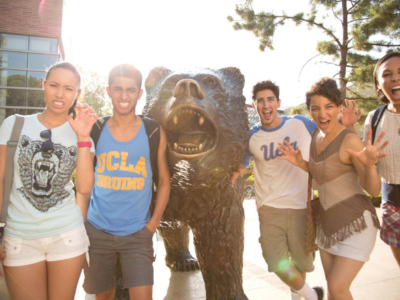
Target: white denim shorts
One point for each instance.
(22, 252)
(359, 246)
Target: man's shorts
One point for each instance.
(390, 230)
(22, 252)
(135, 254)
(283, 238)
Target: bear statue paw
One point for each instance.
(183, 262)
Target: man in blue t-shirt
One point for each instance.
(118, 218)
(281, 190)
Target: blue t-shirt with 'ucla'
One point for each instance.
(122, 192)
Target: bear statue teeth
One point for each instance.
(188, 150)
(186, 128)
(175, 119)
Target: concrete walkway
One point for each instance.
(378, 279)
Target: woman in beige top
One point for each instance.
(347, 224)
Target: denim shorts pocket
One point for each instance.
(12, 245)
(75, 239)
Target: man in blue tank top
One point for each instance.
(118, 218)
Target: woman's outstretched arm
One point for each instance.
(364, 158)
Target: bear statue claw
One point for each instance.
(185, 262)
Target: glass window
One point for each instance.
(35, 79)
(43, 44)
(17, 42)
(12, 78)
(41, 61)
(33, 111)
(12, 97)
(6, 112)
(36, 98)
(13, 59)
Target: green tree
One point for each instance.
(300, 110)
(94, 93)
(368, 27)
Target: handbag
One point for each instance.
(9, 170)
(311, 225)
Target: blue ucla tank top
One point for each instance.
(121, 195)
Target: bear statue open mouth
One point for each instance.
(190, 131)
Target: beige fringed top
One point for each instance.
(342, 199)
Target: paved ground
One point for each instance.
(379, 278)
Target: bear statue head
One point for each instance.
(204, 115)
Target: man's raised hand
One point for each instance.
(239, 171)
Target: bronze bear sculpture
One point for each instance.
(204, 116)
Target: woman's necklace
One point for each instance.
(43, 118)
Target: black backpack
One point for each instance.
(376, 118)
(153, 134)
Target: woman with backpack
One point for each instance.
(387, 119)
(45, 239)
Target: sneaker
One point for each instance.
(320, 292)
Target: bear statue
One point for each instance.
(204, 115)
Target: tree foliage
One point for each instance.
(369, 29)
(94, 93)
(300, 110)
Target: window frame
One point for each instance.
(27, 70)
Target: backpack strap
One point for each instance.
(153, 134)
(96, 131)
(9, 178)
(376, 118)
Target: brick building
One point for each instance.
(30, 41)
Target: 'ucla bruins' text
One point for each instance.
(115, 160)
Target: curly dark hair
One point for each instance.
(326, 87)
(265, 85)
(381, 96)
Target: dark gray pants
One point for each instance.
(135, 254)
